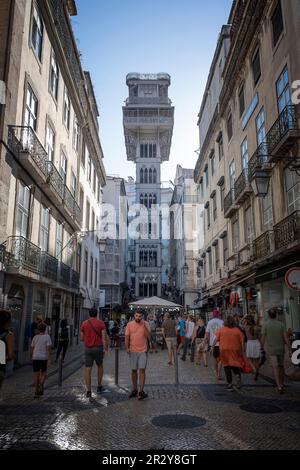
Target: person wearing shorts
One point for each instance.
(41, 358)
(93, 334)
(137, 335)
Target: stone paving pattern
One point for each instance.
(64, 419)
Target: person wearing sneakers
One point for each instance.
(137, 336)
(210, 335)
(41, 358)
(93, 334)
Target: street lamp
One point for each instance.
(185, 268)
(102, 245)
(261, 181)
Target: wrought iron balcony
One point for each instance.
(287, 231)
(230, 206)
(25, 145)
(148, 100)
(49, 266)
(262, 246)
(69, 200)
(55, 181)
(242, 187)
(75, 279)
(77, 213)
(2, 253)
(64, 274)
(21, 253)
(283, 133)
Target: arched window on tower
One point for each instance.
(154, 176)
(142, 175)
(150, 176)
(141, 258)
(146, 176)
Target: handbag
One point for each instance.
(246, 367)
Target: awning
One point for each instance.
(238, 281)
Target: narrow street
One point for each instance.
(255, 417)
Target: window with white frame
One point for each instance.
(235, 236)
(66, 109)
(31, 108)
(256, 67)
(37, 32)
(212, 163)
(50, 142)
(54, 77)
(249, 226)
(221, 147)
(73, 184)
(63, 166)
(76, 135)
(283, 90)
(22, 210)
(89, 168)
(267, 212)
(244, 154)
(59, 241)
(260, 127)
(232, 174)
(292, 190)
(44, 228)
(209, 262)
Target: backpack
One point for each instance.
(64, 334)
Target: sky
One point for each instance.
(116, 37)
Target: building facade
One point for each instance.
(148, 118)
(248, 166)
(45, 123)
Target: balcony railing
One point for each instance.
(75, 279)
(23, 140)
(286, 122)
(287, 231)
(69, 200)
(242, 186)
(55, 180)
(77, 213)
(49, 266)
(229, 201)
(64, 274)
(148, 100)
(23, 254)
(262, 246)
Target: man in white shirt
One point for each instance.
(211, 329)
(189, 328)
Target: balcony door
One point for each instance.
(232, 174)
(22, 210)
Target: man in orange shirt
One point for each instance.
(137, 334)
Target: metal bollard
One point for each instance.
(60, 372)
(116, 366)
(175, 364)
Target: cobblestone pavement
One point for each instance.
(253, 418)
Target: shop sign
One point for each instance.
(292, 279)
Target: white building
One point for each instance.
(148, 118)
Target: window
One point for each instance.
(91, 270)
(225, 250)
(96, 274)
(37, 33)
(277, 23)
(22, 210)
(214, 205)
(221, 147)
(99, 192)
(81, 199)
(50, 142)
(154, 176)
(89, 168)
(54, 77)
(44, 228)
(244, 155)
(85, 261)
(63, 166)
(148, 150)
(95, 181)
(283, 90)
(256, 69)
(76, 135)
(292, 190)
(87, 215)
(209, 263)
(232, 174)
(73, 184)
(235, 236)
(217, 258)
(66, 109)
(267, 212)
(242, 100)
(206, 176)
(59, 241)
(30, 118)
(83, 154)
(93, 225)
(208, 215)
(260, 127)
(222, 193)
(229, 127)
(249, 228)
(212, 162)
